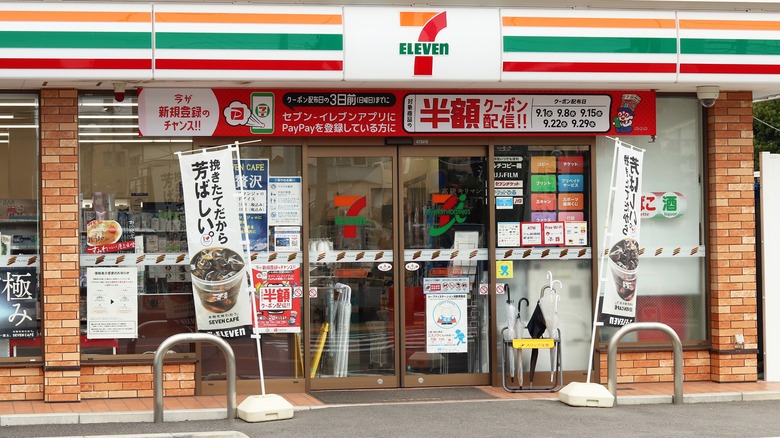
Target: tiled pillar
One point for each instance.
(732, 238)
(60, 242)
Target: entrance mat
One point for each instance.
(401, 395)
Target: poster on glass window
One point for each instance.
(218, 262)
(278, 295)
(112, 302)
(253, 180)
(18, 316)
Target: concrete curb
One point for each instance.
(220, 413)
(220, 434)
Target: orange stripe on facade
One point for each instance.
(198, 17)
(73, 16)
(622, 23)
(729, 25)
(416, 19)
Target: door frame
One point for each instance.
(349, 148)
(457, 148)
(465, 147)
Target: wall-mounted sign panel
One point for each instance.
(410, 44)
(188, 112)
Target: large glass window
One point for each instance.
(132, 228)
(134, 254)
(20, 311)
(670, 284)
(543, 223)
(274, 235)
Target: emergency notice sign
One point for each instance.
(175, 112)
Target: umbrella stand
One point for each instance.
(543, 329)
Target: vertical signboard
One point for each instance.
(619, 306)
(217, 259)
(18, 317)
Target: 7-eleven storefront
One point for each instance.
(400, 192)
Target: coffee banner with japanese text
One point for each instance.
(620, 287)
(218, 261)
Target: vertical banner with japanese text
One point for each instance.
(218, 261)
(18, 317)
(619, 306)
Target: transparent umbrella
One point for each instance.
(549, 305)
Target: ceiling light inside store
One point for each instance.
(109, 134)
(135, 141)
(18, 126)
(108, 104)
(103, 116)
(108, 126)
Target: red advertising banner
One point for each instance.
(278, 295)
(173, 112)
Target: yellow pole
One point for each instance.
(297, 355)
(320, 346)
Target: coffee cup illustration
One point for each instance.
(623, 263)
(217, 278)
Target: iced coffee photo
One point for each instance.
(217, 278)
(623, 263)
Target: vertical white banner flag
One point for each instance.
(620, 288)
(215, 242)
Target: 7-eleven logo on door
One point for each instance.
(426, 47)
(350, 222)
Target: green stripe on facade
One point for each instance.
(703, 46)
(248, 41)
(75, 40)
(589, 44)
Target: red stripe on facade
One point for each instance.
(75, 64)
(255, 64)
(745, 69)
(588, 67)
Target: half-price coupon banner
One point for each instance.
(190, 112)
(218, 261)
(619, 305)
(278, 295)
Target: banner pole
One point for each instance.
(248, 255)
(602, 262)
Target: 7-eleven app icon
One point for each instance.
(262, 119)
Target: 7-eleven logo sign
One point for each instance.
(426, 47)
(350, 222)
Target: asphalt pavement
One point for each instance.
(503, 418)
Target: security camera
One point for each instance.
(119, 91)
(707, 95)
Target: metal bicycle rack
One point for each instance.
(676, 345)
(167, 344)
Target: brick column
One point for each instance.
(60, 242)
(731, 244)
